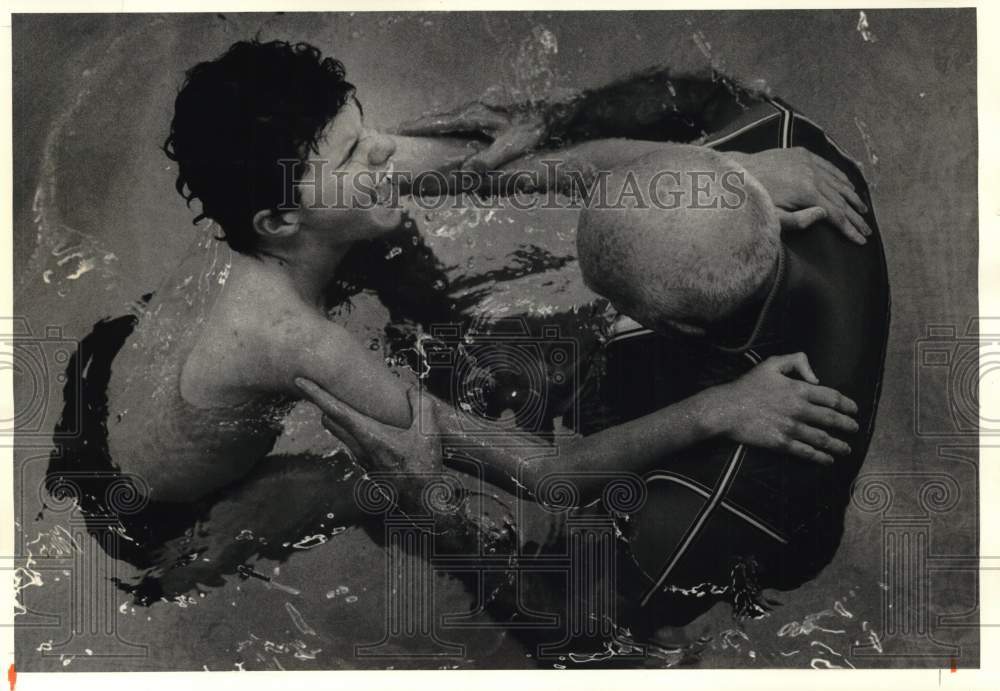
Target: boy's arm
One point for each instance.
(308, 345)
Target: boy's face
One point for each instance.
(346, 189)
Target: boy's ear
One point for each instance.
(272, 223)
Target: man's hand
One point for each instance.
(375, 445)
(806, 188)
(768, 408)
(514, 130)
(412, 459)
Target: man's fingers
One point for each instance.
(802, 219)
(829, 419)
(819, 440)
(476, 118)
(796, 363)
(344, 415)
(808, 453)
(853, 216)
(839, 217)
(859, 222)
(829, 167)
(345, 437)
(425, 413)
(430, 125)
(508, 145)
(418, 403)
(831, 398)
(846, 190)
(318, 395)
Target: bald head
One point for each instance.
(690, 240)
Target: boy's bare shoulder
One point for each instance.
(295, 338)
(255, 339)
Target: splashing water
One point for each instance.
(299, 620)
(267, 652)
(57, 542)
(866, 138)
(25, 577)
(532, 70)
(867, 35)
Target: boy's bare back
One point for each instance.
(198, 392)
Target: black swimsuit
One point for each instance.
(720, 502)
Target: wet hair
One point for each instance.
(236, 116)
(684, 266)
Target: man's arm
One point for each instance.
(803, 186)
(325, 353)
(517, 461)
(778, 405)
(655, 107)
(416, 155)
(655, 104)
(766, 407)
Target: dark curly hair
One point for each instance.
(236, 116)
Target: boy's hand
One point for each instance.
(806, 188)
(375, 445)
(767, 408)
